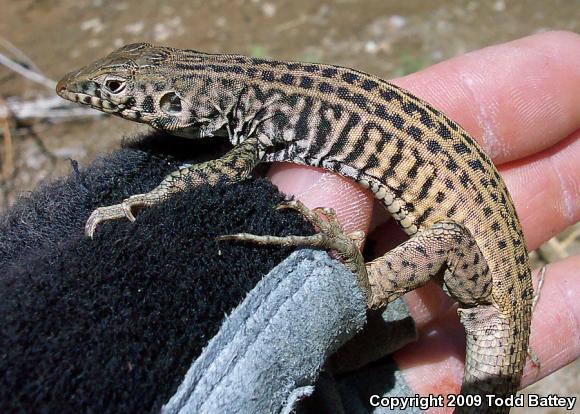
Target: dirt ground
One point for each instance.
(387, 38)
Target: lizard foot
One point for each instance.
(331, 236)
(119, 211)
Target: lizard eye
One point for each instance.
(170, 103)
(115, 85)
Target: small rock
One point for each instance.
(371, 47)
(269, 9)
(220, 22)
(95, 25)
(135, 28)
(397, 22)
(499, 6)
(92, 43)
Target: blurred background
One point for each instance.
(41, 40)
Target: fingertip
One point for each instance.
(516, 98)
(556, 42)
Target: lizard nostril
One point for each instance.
(60, 86)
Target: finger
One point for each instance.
(319, 188)
(546, 190)
(515, 99)
(434, 364)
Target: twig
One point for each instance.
(552, 251)
(291, 24)
(27, 73)
(19, 53)
(570, 238)
(53, 108)
(8, 162)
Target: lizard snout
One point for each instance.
(68, 87)
(60, 86)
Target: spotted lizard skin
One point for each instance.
(431, 176)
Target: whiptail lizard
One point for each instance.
(432, 177)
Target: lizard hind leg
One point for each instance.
(445, 248)
(331, 237)
(494, 351)
(492, 362)
(496, 338)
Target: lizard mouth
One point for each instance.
(89, 93)
(124, 109)
(92, 101)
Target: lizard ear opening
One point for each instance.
(170, 103)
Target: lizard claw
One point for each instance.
(127, 206)
(118, 211)
(307, 213)
(102, 214)
(139, 201)
(91, 224)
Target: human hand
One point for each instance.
(521, 102)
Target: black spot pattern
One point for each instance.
(148, 106)
(461, 148)
(349, 77)
(306, 82)
(329, 72)
(433, 146)
(415, 133)
(369, 85)
(268, 75)
(287, 79)
(325, 87)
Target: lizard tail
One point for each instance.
(497, 346)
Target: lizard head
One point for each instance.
(140, 82)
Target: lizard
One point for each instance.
(432, 177)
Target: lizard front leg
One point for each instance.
(236, 165)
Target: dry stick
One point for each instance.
(18, 53)
(8, 162)
(52, 107)
(572, 237)
(35, 76)
(27, 73)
